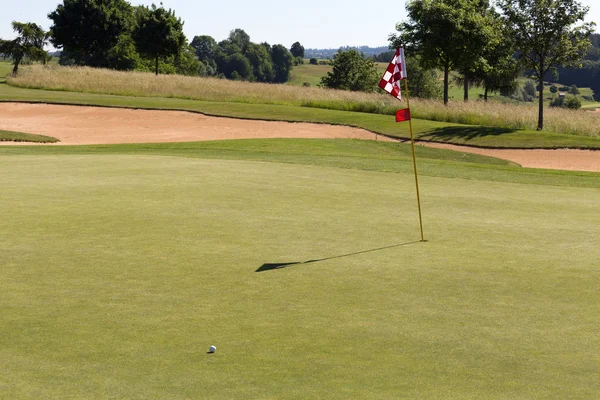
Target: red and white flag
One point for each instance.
(396, 71)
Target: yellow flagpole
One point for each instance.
(412, 142)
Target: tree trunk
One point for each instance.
(485, 94)
(446, 73)
(156, 69)
(466, 87)
(541, 100)
(16, 61)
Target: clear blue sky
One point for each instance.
(314, 23)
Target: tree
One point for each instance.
(159, 33)
(546, 36)
(205, 47)
(88, 29)
(553, 89)
(29, 42)
(313, 61)
(297, 50)
(574, 90)
(352, 71)
(481, 32)
(282, 63)
(447, 34)
(240, 38)
(186, 62)
(262, 67)
(423, 83)
(206, 50)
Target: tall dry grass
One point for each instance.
(92, 80)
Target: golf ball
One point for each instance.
(212, 349)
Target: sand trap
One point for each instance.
(97, 125)
(565, 159)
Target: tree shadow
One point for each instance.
(448, 133)
(272, 266)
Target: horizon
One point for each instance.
(333, 27)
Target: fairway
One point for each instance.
(119, 272)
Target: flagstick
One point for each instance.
(412, 142)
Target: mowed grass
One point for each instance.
(494, 114)
(119, 270)
(308, 73)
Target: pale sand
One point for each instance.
(97, 125)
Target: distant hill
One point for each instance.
(329, 53)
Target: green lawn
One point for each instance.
(5, 70)
(121, 265)
(308, 73)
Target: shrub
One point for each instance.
(571, 102)
(574, 90)
(530, 89)
(306, 84)
(553, 89)
(314, 61)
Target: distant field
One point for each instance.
(308, 73)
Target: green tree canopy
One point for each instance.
(447, 34)
(297, 50)
(88, 29)
(548, 33)
(282, 63)
(205, 47)
(159, 33)
(30, 42)
(352, 71)
(423, 83)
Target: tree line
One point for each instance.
(116, 35)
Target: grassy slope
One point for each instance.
(119, 271)
(425, 130)
(25, 137)
(308, 73)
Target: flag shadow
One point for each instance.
(273, 266)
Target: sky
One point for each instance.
(313, 23)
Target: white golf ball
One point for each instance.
(212, 349)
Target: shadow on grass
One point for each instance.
(272, 266)
(451, 133)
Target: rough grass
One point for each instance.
(119, 271)
(491, 114)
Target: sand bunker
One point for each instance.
(97, 125)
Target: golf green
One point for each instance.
(119, 271)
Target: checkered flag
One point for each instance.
(396, 71)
